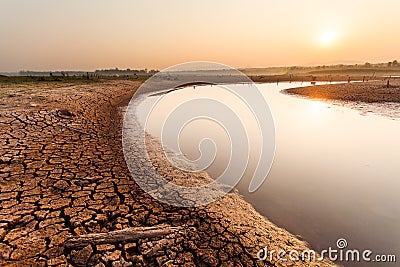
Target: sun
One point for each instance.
(327, 38)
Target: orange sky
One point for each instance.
(92, 34)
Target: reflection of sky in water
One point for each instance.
(335, 174)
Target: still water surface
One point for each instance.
(336, 172)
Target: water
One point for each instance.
(336, 172)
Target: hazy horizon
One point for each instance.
(45, 35)
(310, 65)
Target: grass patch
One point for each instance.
(70, 79)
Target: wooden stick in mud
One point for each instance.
(119, 236)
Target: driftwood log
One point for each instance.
(119, 236)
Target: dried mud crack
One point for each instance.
(62, 173)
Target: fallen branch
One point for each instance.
(119, 236)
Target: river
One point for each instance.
(336, 172)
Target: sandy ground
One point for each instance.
(62, 173)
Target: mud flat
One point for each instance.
(369, 92)
(63, 173)
(367, 97)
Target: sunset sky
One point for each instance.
(92, 34)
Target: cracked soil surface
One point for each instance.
(62, 173)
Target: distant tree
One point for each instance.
(389, 64)
(367, 64)
(395, 63)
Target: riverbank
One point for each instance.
(63, 173)
(368, 92)
(365, 97)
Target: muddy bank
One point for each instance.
(366, 97)
(63, 173)
(371, 92)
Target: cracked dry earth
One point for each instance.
(62, 173)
